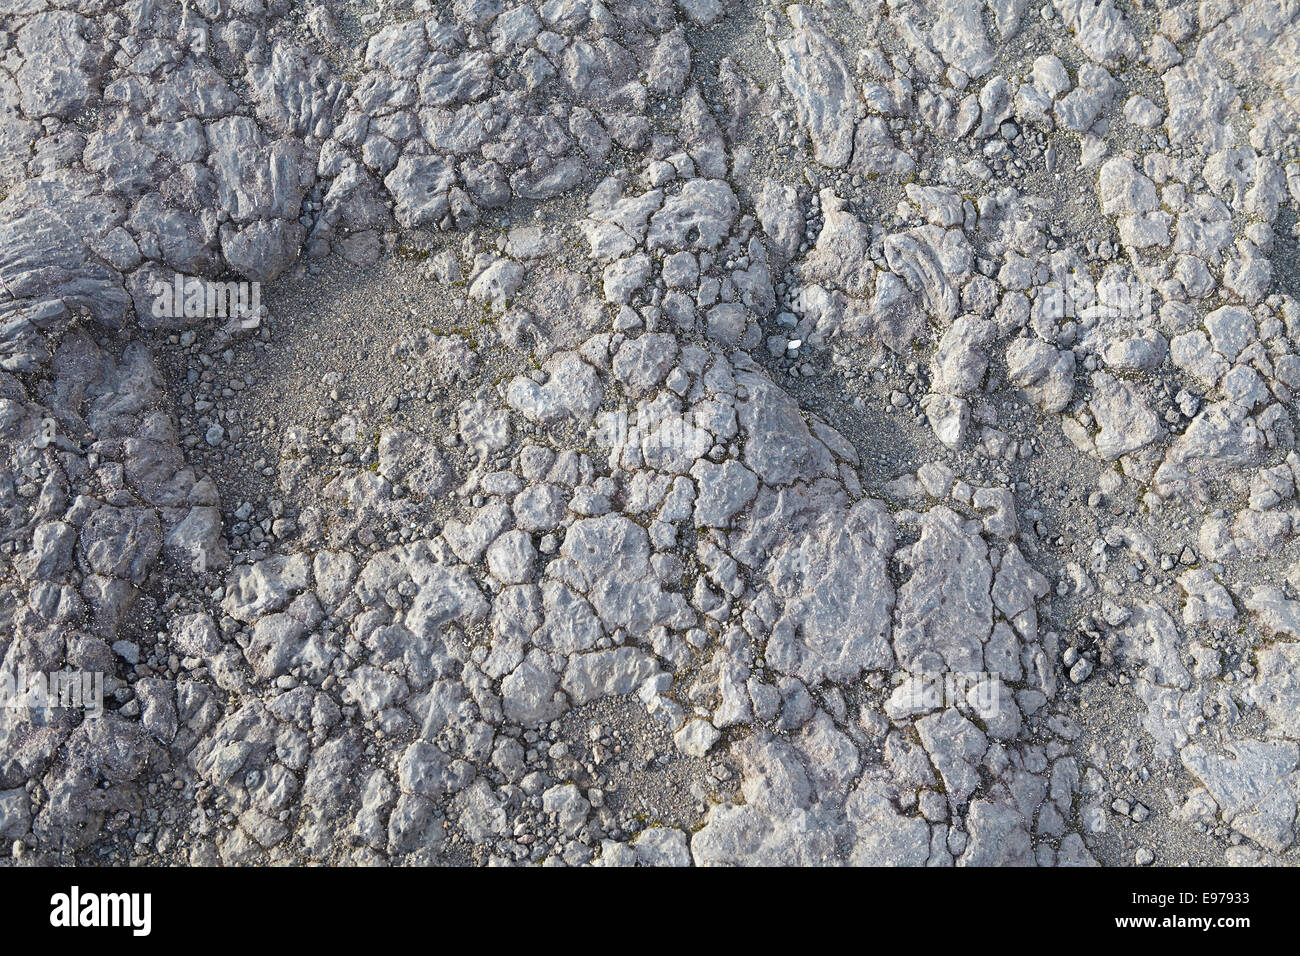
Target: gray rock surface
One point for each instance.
(670, 432)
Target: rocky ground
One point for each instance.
(673, 432)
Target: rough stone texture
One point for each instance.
(650, 433)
